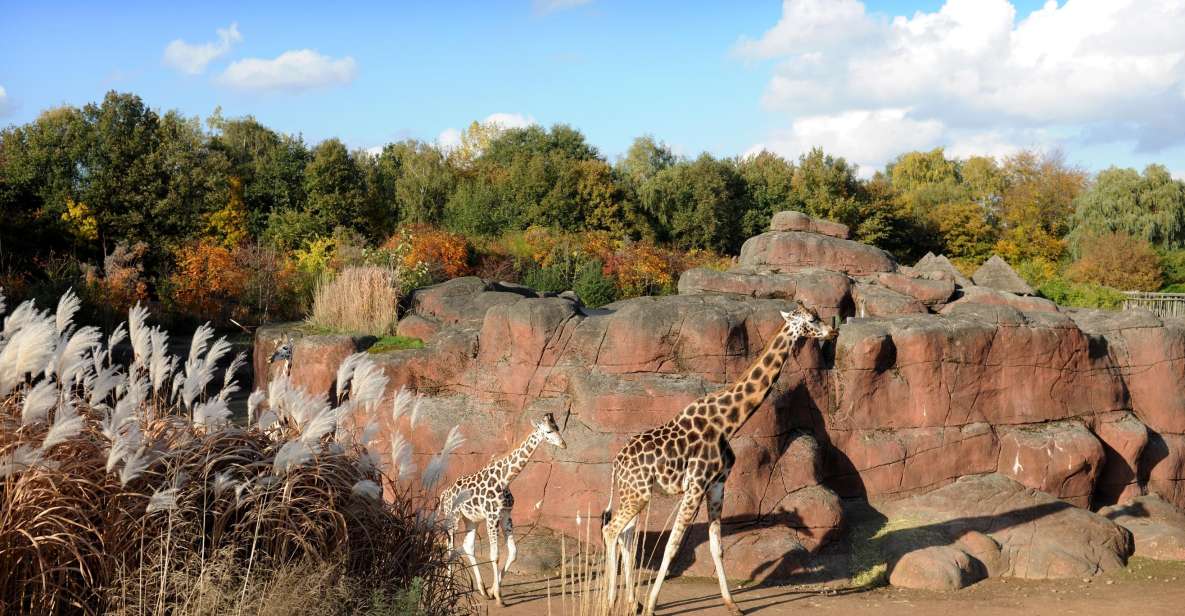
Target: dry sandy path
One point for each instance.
(1144, 589)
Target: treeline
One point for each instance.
(84, 181)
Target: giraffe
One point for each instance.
(690, 456)
(283, 353)
(485, 495)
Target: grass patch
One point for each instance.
(386, 344)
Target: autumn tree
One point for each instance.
(334, 187)
(1036, 205)
(1118, 260)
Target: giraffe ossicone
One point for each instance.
(690, 456)
(484, 496)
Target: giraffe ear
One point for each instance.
(785, 315)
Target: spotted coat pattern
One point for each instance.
(690, 456)
(484, 496)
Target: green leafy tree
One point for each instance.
(335, 188)
(698, 204)
(769, 187)
(1150, 207)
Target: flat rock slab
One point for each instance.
(1040, 536)
(824, 291)
(797, 221)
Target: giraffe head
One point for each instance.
(283, 352)
(805, 323)
(550, 431)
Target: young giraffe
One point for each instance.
(690, 455)
(485, 495)
(283, 353)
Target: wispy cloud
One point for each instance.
(193, 59)
(543, 7)
(973, 76)
(450, 138)
(5, 103)
(291, 71)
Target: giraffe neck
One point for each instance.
(750, 390)
(516, 460)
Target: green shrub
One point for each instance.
(593, 286)
(1081, 295)
(1174, 288)
(551, 279)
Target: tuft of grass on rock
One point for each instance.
(387, 344)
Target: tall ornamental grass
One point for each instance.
(128, 489)
(359, 299)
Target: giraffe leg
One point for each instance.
(715, 509)
(468, 545)
(629, 556)
(687, 508)
(492, 530)
(511, 548)
(627, 512)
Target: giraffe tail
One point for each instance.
(607, 514)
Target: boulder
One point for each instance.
(941, 267)
(937, 568)
(876, 301)
(1162, 466)
(1040, 536)
(929, 291)
(1124, 438)
(795, 250)
(985, 295)
(1157, 526)
(996, 274)
(1061, 458)
(797, 221)
(824, 291)
(462, 300)
(983, 549)
(416, 326)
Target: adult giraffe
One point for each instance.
(690, 455)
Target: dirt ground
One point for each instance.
(1145, 588)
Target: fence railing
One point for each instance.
(1163, 304)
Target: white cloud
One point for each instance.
(193, 58)
(973, 77)
(450, 138)
(550, 6)
(291, 71)
(5, 103)
(865, 137)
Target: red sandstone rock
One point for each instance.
(416, 326)
(983, 549)
(824, 291)
(1061, 458)
(795, 250)
(985, 295)
(1124, 438)
(1157, 526)
(876, 301)
(797, 221)
(929, 290)
(937, 568)
(1040, 537)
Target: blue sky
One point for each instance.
(866, 80)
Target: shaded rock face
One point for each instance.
(1039, 536)
(943, 385)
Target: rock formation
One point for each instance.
(932, 378)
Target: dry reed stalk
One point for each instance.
(360, 300)
(130, 493)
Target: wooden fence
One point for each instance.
(1163, 304)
